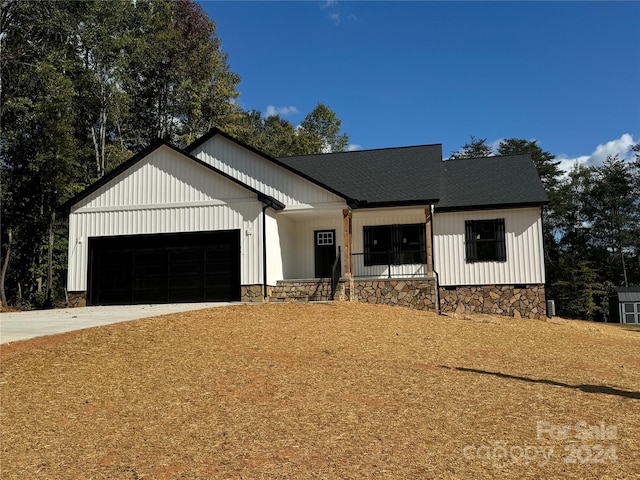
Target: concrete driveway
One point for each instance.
(36, 323)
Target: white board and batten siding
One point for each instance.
(263, 175)
(165, 193)
(299, 243)
(523, 236)
(276, 240)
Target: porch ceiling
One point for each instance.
(313, 212)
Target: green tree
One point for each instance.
(551, 177)
(103, 35)
(579, 291)
(272, 135)
(635, 172)
(575, 259)
(598, 228)
(83, 85)
(571, 221)
(545, 163)
(208, 90)
(474, 148)
(177, 74)
(320, 131)
(613, 212)
(38, 140)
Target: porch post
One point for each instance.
(429, 241)
(348, 239)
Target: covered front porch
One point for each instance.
(377, 243)
(376, 256)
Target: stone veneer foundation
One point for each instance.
(253, 293)
(518, 301)
(405, 292)
(313, 290)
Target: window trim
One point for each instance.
(472, 241)
(397, 247)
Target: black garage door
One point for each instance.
(164, 268)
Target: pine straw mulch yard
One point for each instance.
(336, 390)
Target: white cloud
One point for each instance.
(334, 17)
(567, 164)
(336, 13)
(495, 144)
(350, 148)
(281, 111)
(620, 147)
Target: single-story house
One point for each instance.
(220, 220)
(624, 305)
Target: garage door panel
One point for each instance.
(185, 282)
(215, 292)
(189, 267)
(150, 289)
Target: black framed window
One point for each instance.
(485, 241)
(394, 244)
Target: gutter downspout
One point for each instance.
(433, 260)
(264, 251)
(544, 259)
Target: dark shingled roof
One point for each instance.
(628, 294)
(487, 182)
(391, 177)
(417, 175)
(388, 176)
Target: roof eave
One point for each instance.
(396, 203)
(499, 206)
(269, 201)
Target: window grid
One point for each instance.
(485, 241)
(324, 238)
(394, 244)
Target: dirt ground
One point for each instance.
(335, 390)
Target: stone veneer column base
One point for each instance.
(254, 293)
(519, 301)
(76, 299)
(405, 292)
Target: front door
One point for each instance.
(325, 252)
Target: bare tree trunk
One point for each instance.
(96, 149)
(5, 265)
(99, 134)
(103, 135)
(120, 135)
(49, 287)
(624, 268)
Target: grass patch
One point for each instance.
(336, 390)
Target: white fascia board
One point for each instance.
(318, 207)
(156, 206)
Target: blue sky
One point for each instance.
(566, 74)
